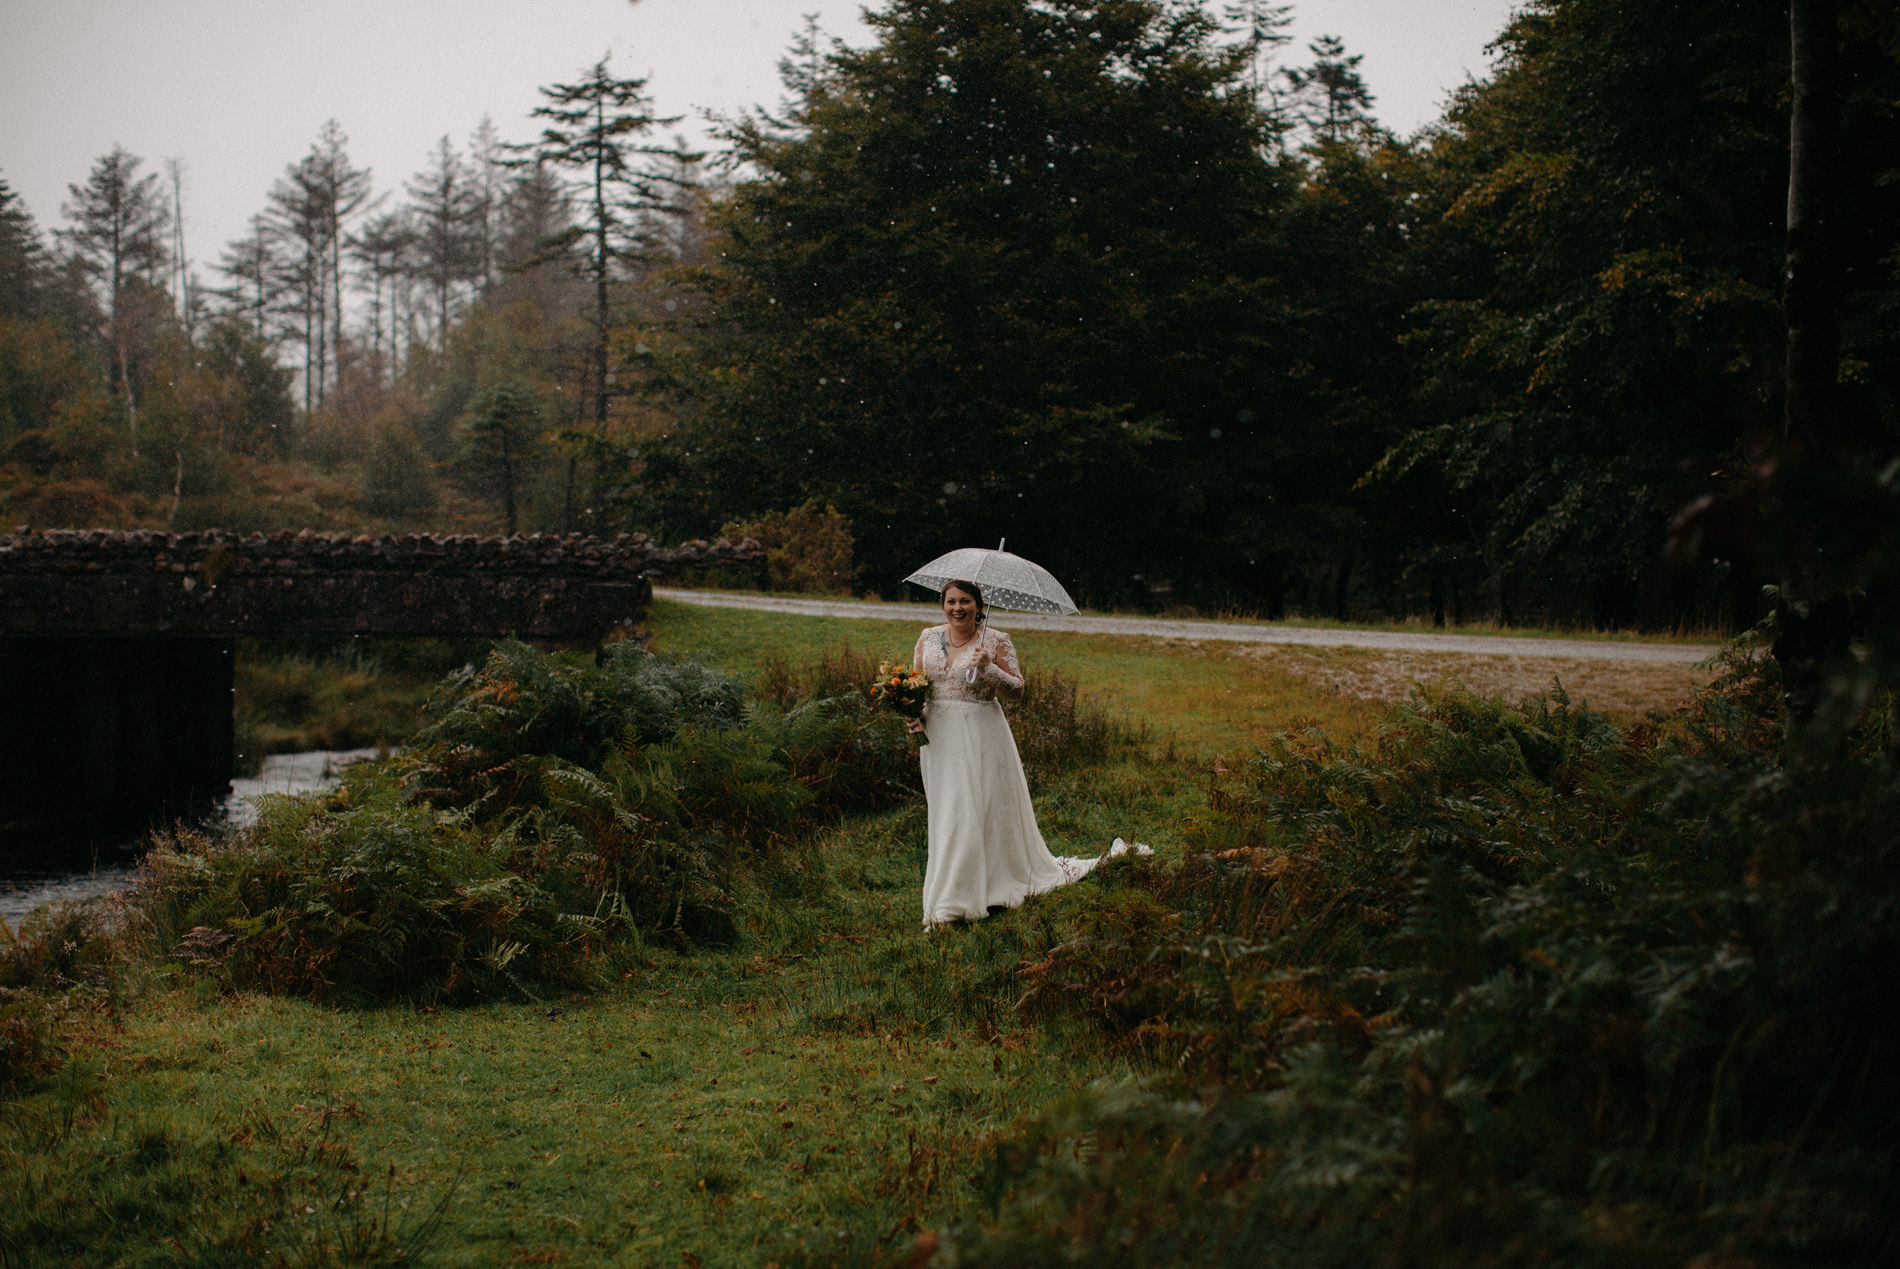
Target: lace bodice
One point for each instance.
(945, 666)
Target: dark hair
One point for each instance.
(973, 591)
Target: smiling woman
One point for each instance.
(986, 852)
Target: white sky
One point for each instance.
(237, 89)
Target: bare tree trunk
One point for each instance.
(131, 402)
(1811, 622)
(507, 482)
(178, 486)
(603, 260)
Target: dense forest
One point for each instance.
(1136, 284)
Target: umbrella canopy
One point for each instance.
(1008, 581)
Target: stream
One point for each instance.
(24, 887)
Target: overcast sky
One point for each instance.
(237, 89)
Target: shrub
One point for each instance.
(523, 702)
(361, 897)
(1056, 729)
(1502, 985)
(806, 549)
(63, 956)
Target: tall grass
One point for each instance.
(1490, 984)
(1500, 986)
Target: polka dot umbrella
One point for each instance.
(1008, 581)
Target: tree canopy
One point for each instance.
(1004, 273)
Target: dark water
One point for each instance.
(24, 887)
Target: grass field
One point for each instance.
(1210, 698)
(828, 1085)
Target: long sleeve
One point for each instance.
(1004, 670)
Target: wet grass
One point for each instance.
(293, 695)
(1201, 699)
(827, 1085)
(1706, 636)
(831, 1081)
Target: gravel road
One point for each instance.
(1228, 631)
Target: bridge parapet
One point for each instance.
(570, 588)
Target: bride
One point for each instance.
(985, 849)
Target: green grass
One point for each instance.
(1247, 617)
(830, 1084)
(840, 1071)
(1204, 701)
(294, 695)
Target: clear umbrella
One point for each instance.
(1008, 581)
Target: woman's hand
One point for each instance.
(915, 726)
(981, 660)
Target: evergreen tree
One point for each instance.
(383, 251)
(593, 130)
(504, 430)
(1005, 273)
(256, 271)
(487, 180)
(1604, 226)
(447, 246)
(1329, 98)
(1262, 31)
(23, 261)
(311, 206)
(117, 240)
(535, 211)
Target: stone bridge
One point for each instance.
(116, 647)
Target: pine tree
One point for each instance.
(446, 253)
(117, 239)
(592, 130)
(1330, 98)
(501, 437)
(311, 206)
(1004, 272)
(383, 251)
(254, 265)
(23, 261)
(535, 211)
(1262, 31)
(487, 180)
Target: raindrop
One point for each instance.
(641, 350)
(822, 381)
(950, 486)
(1245, 416)
(897, 326)
(671, 305)
(1213, 433)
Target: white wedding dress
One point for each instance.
(985, 849)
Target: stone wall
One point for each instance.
(116, 648)
(563, 589)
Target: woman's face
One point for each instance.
(959, 605)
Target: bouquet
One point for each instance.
(904, 690)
